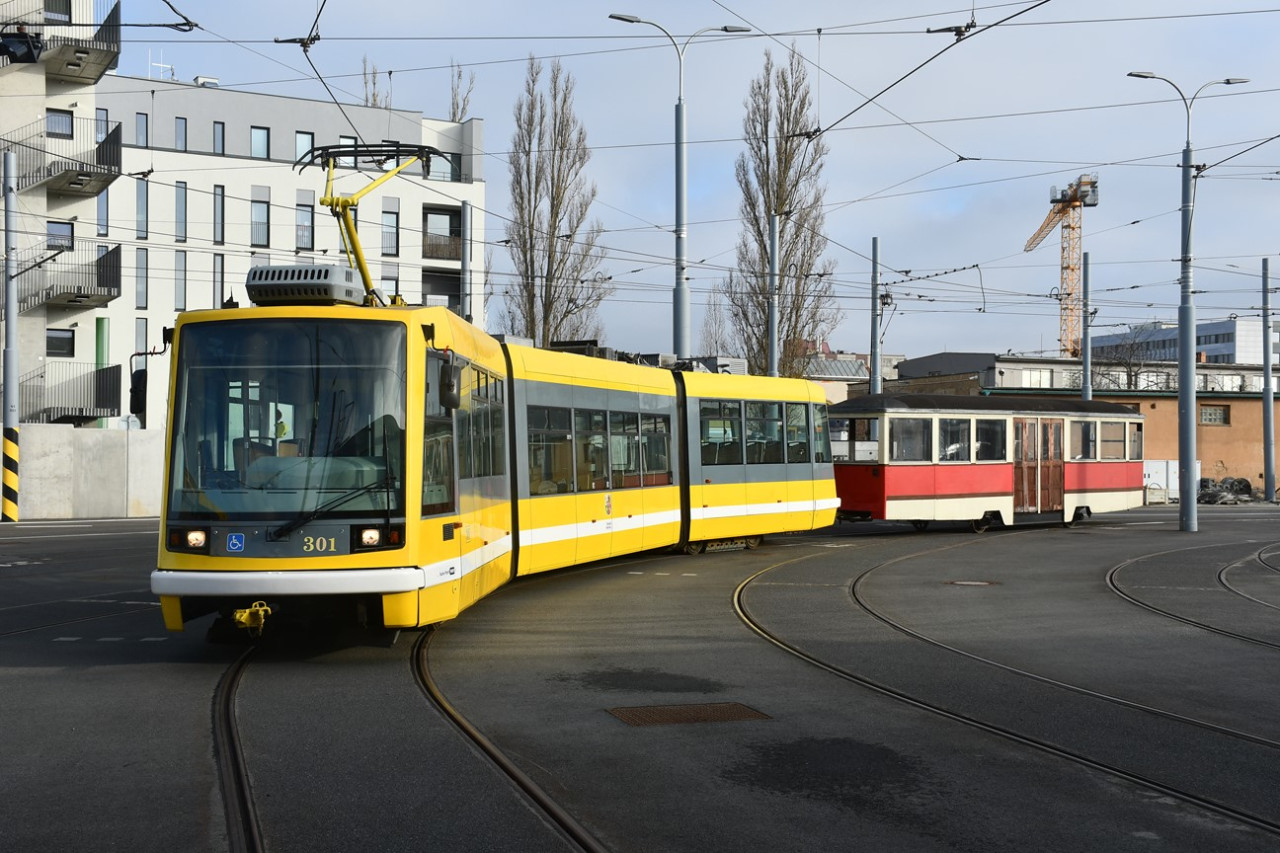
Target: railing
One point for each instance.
(440, 248)
(88, 275)
(74, 50)
(81, 156)
(69, 392)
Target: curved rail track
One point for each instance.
(1258, 822)
(243, 832)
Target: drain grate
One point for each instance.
(661, 715)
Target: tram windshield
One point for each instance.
(281, 418)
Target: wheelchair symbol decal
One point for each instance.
(235, 542)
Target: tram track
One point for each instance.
(243, 831)
(1209, 804)
(552, 811)
(1115, 586)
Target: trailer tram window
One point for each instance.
(1135, 441)
(655, 457)
(550, 450)
(1084, 440)
(992, 440)
(910, 439)
(953, 439)
(592, 456)
(864, 438)
(1113, 439)
(764, 432)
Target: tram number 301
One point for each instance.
(320, 544)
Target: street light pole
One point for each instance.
(1188, 487)
(680, 297)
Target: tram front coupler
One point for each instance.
(252, 618)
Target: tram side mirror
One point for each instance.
(450, 385)
(138, 392)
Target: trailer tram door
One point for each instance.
(1037, 465)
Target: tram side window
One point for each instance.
(624, 449)
(798, 432)
(953, 439)
(550, 450)
(655, 435)
(992, 440)
(821, 434)
(764, 432)
(1113, 440)
(1084, 440)
(463, 417)
(437, 448)
(910, 440)
(864, 437)
(721, 432)
(592, 454)
(1135, 441)
(497, 428)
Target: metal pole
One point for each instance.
(9, 499)
(1268, 395)
(680, 297)
(875, 384)
(1086, 354)
(1188, 485)
(464, 301)
(773, 294)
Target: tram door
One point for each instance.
(1037, 464)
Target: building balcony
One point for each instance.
(441, 248)
(67, 275)
(72, 51)
(69, 392)
(73, 156)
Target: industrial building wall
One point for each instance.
(66, 472)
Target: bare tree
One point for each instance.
(369, 73)
(556, 291)
(781, 172)
(1126, 362)
(460, 100)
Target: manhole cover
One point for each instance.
(659, 715)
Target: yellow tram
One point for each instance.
(392, 464)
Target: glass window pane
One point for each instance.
(1113, 440)
(260, 142)
(910, 439)
(992, 440)
(180, 133)
(550, 450)
(219, 138)
(953, 439)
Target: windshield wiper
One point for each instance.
(288, 527)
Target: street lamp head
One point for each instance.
(1144, 75)
(1231, 81)
(626, 19)
(734, 29)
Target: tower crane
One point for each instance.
(1065, 207)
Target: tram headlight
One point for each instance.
(370, 537)
(197, 539)
(189, 539)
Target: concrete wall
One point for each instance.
(65, 472)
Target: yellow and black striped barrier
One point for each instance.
(9, 510)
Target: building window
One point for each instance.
(140, 130)
(60, 343)
(303, 141)
(180, 211)
(59, 124)
(60, 236)
(1215, 415)
(219, 213)
(142, 226)
(259, 224)
(180, 134)
(305, 227)
(348, 162)
(445, 167)
(219, 137)
(100, 125)
(390, 233)
(103, 220)
(219, 278)
(180, 281)
(57, 11)
(140, 278)
(442, 234)
(140, 334)
(260, 142)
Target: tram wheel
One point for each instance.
(980, 525)
(753, 542)
(920, 524)
(695, 547)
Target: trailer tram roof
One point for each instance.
(876, 403)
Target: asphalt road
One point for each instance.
(869, 687)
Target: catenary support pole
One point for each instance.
(1268, 395)
(1086, 344)
(464, 303)
(773, 294)
(9, 500)
(875, 383)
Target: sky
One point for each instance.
(948, 160)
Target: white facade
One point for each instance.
(141, 198)
(1230, 341)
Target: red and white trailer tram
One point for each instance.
(926, 457)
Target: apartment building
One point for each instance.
(140, 198)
